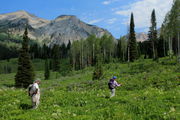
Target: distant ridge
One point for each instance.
(62, 29)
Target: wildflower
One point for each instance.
(74, 114)
(172, 109)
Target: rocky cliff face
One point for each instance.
(61, 30)
(140, 37)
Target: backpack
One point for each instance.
(111, 84)
(31, 90)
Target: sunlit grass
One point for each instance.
(149, 91)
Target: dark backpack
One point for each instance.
(111, 85)
(31, 90)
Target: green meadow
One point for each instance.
(150, 91)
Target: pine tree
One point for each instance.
(55, 56)
(153, 36)
(132, 41)
(47, 72)
(69, 45)
(68, 48)
(25, 74)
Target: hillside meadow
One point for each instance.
(150, 91)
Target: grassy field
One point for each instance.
(149, 91)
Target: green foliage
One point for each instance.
(7, 52)
(121, 51)
(132, 45)
(152, 36)
(98, 71)
(25, 74)
(65, 68)
(10, 45)
(55, 60)
(162, 47)
(83, 52)
(170, 27)
(149, 90)
(46, 71)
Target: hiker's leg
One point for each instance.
(112, 92)
(37, 100)
(33, 102)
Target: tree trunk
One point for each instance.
(170, 47)
(178, 49)
(122, 55)
(154, 56)
(93, 55)
(82, 64)
(128, 55)
(164, 47)
(104, 54)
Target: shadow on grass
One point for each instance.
(25, 106)
(107, 97)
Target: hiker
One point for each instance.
(112, 85)
(34, 93)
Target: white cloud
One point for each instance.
(111, 21)
(95, 21)
(107, 2)
(142, 11)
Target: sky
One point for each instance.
(112, 15)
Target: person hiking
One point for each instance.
(34, 93)
(112, 86)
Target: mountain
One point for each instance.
(63, 29)
(140, 37)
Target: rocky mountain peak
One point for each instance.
(15, 15)
(63, 29)
(140, 37)
(65, 17)
(18, 16)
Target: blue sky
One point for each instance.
(112, 15)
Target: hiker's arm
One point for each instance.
(117, 84)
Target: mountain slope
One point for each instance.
(60, 30)
(140, 37)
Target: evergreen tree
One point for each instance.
(69, 45)
(47, 72)
(25, 74)
(68, 48)
(153, 36)
(45, 52)
(55, 56)
(132, 41)
(162, 47)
